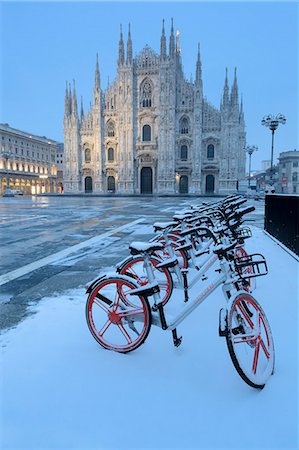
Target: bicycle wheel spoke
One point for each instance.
(97, 302)
(124, 332)
(256, 356)
(105, 328)
(131, 312)
(265, 349)
(243, 338)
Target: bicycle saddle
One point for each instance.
(137, 248)
(158, 226)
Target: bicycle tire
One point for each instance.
(133, 268)
(248, 332)
(180, 253)
(250, 282)
(118, 321)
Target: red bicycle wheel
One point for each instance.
(250, 282)
(249, 340)
(118, 321)
(134, 268)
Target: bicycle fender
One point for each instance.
(94, 283)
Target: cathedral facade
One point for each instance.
(153, 131)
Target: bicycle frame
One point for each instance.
(225, 277)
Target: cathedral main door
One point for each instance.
(146, 180)
(88, 184)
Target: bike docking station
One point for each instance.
(163, 281)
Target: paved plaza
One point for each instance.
(50, 244)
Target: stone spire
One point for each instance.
(74, 100)
(171, 41)
(225, 99)
(66, 101)
(129, 48)
(198, 76)
(163, 43)
(82, 110)
(234, 91)
(121, 51)
(242, 119)
(97, 84)
(97, 79)
(70, 99)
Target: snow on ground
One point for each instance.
(61, 390)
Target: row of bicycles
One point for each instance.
(163, 281)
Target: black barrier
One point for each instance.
(281, 219)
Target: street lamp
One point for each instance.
(250, 149)
(8, 192)
(272, 123)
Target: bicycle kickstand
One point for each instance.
(176, 341)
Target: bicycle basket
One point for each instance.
(244, 233)
(251, 266)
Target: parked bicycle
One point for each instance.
(121, 309)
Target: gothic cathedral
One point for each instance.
(152, 130)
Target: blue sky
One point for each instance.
(44, 44)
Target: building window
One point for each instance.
(295, 176)
(295, 164)
(87, 155)
(110, 129)
(184, 125)
(283, 165)
(294, 189)
(184, 152)
(146, 133)
(146, 94)
(110, 154)
(210, 151)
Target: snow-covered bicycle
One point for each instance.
(120, 312)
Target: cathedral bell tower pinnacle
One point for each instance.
(198, 75)
(129, 48)
(163, 44)
(234, 91)
(66, 102)
(171, 41)
(121, 50)
(225, 99)
(74, 101)
(97, 84)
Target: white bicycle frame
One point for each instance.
(225, 277)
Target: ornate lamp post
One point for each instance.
(8, 192)
(272, 122)
(250, 149)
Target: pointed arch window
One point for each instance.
(146, 133)
(146, 91)
(87, 155)
(184, 125)
(184, 153)
(110, 154)
(210, 151)
(110, 129)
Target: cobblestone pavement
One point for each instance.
(51, 244)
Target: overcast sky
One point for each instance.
(45, 44)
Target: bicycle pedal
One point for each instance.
(204, 278)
